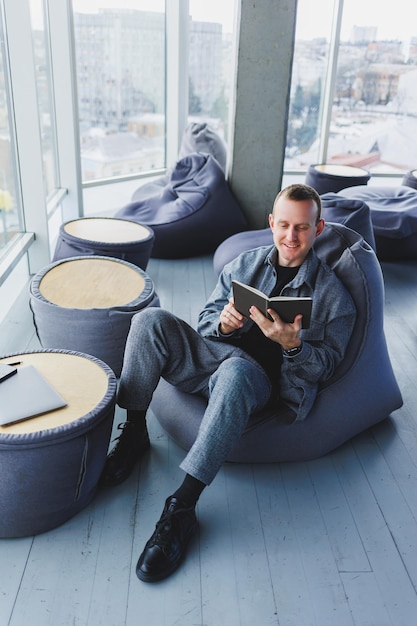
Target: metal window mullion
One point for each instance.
(25, 114)
(329, 87)
(61, 40)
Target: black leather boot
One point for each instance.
(166, 549)
(131, 445)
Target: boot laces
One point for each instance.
(164, 525)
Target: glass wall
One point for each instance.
(10, 214)
(211, 60)
(42, 59)
(370, 117)
(120, 61)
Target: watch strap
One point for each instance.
(293, 351)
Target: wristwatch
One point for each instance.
(293, 351)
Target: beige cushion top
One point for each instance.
(107, 230)
(89, 283)
(340, 170)
(80, 381)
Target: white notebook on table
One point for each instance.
(27, 394)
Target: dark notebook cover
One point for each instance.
(287, 308)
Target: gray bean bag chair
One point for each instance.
(193, 213)
(197, 137)
(362, 391)
(393, 216)
(200, 137)
(352, 213)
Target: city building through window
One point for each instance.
(354, 87)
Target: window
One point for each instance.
(353, 92)
(210, 63)
(10, 214)
(120, 61)
(41, 54)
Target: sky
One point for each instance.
(394, 20)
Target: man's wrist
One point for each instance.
(293, 351)
(223, 333)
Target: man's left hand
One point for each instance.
(287, 335)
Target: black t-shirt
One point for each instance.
(268, 353)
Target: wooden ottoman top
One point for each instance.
(107, 230)
(91, 283)
(340, 170)
(81, 382)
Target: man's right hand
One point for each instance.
(230, 319)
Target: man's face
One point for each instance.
(294, 229)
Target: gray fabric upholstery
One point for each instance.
(136, 252)
(362, 392)
(393, 216)
(328, 181)
(197, 137)
(49, 476)
(200, 137)
(193, 213)
(352, 213)
(101, 332)
(410, 179)
(238, 243)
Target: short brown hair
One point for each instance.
(300, 191)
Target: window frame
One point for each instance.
(24, 119)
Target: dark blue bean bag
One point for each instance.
(362, 391)
(393, 216)
(354, 214)
(197, 137)
(193, 213)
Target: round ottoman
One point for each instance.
(105, 236)
(50, 465)
(327, 177)
(86, 304)
(410, 179)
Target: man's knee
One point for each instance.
(149, 318)
(236, 370)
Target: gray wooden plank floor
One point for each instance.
(331, 542)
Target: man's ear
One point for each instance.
(271, 221)
(320, 227)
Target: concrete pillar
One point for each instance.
(265, 44)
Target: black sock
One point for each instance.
(190, 490)
(138, 418)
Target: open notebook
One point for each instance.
(25, 395)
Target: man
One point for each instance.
(238, 364)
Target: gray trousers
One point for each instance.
(161, 345)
